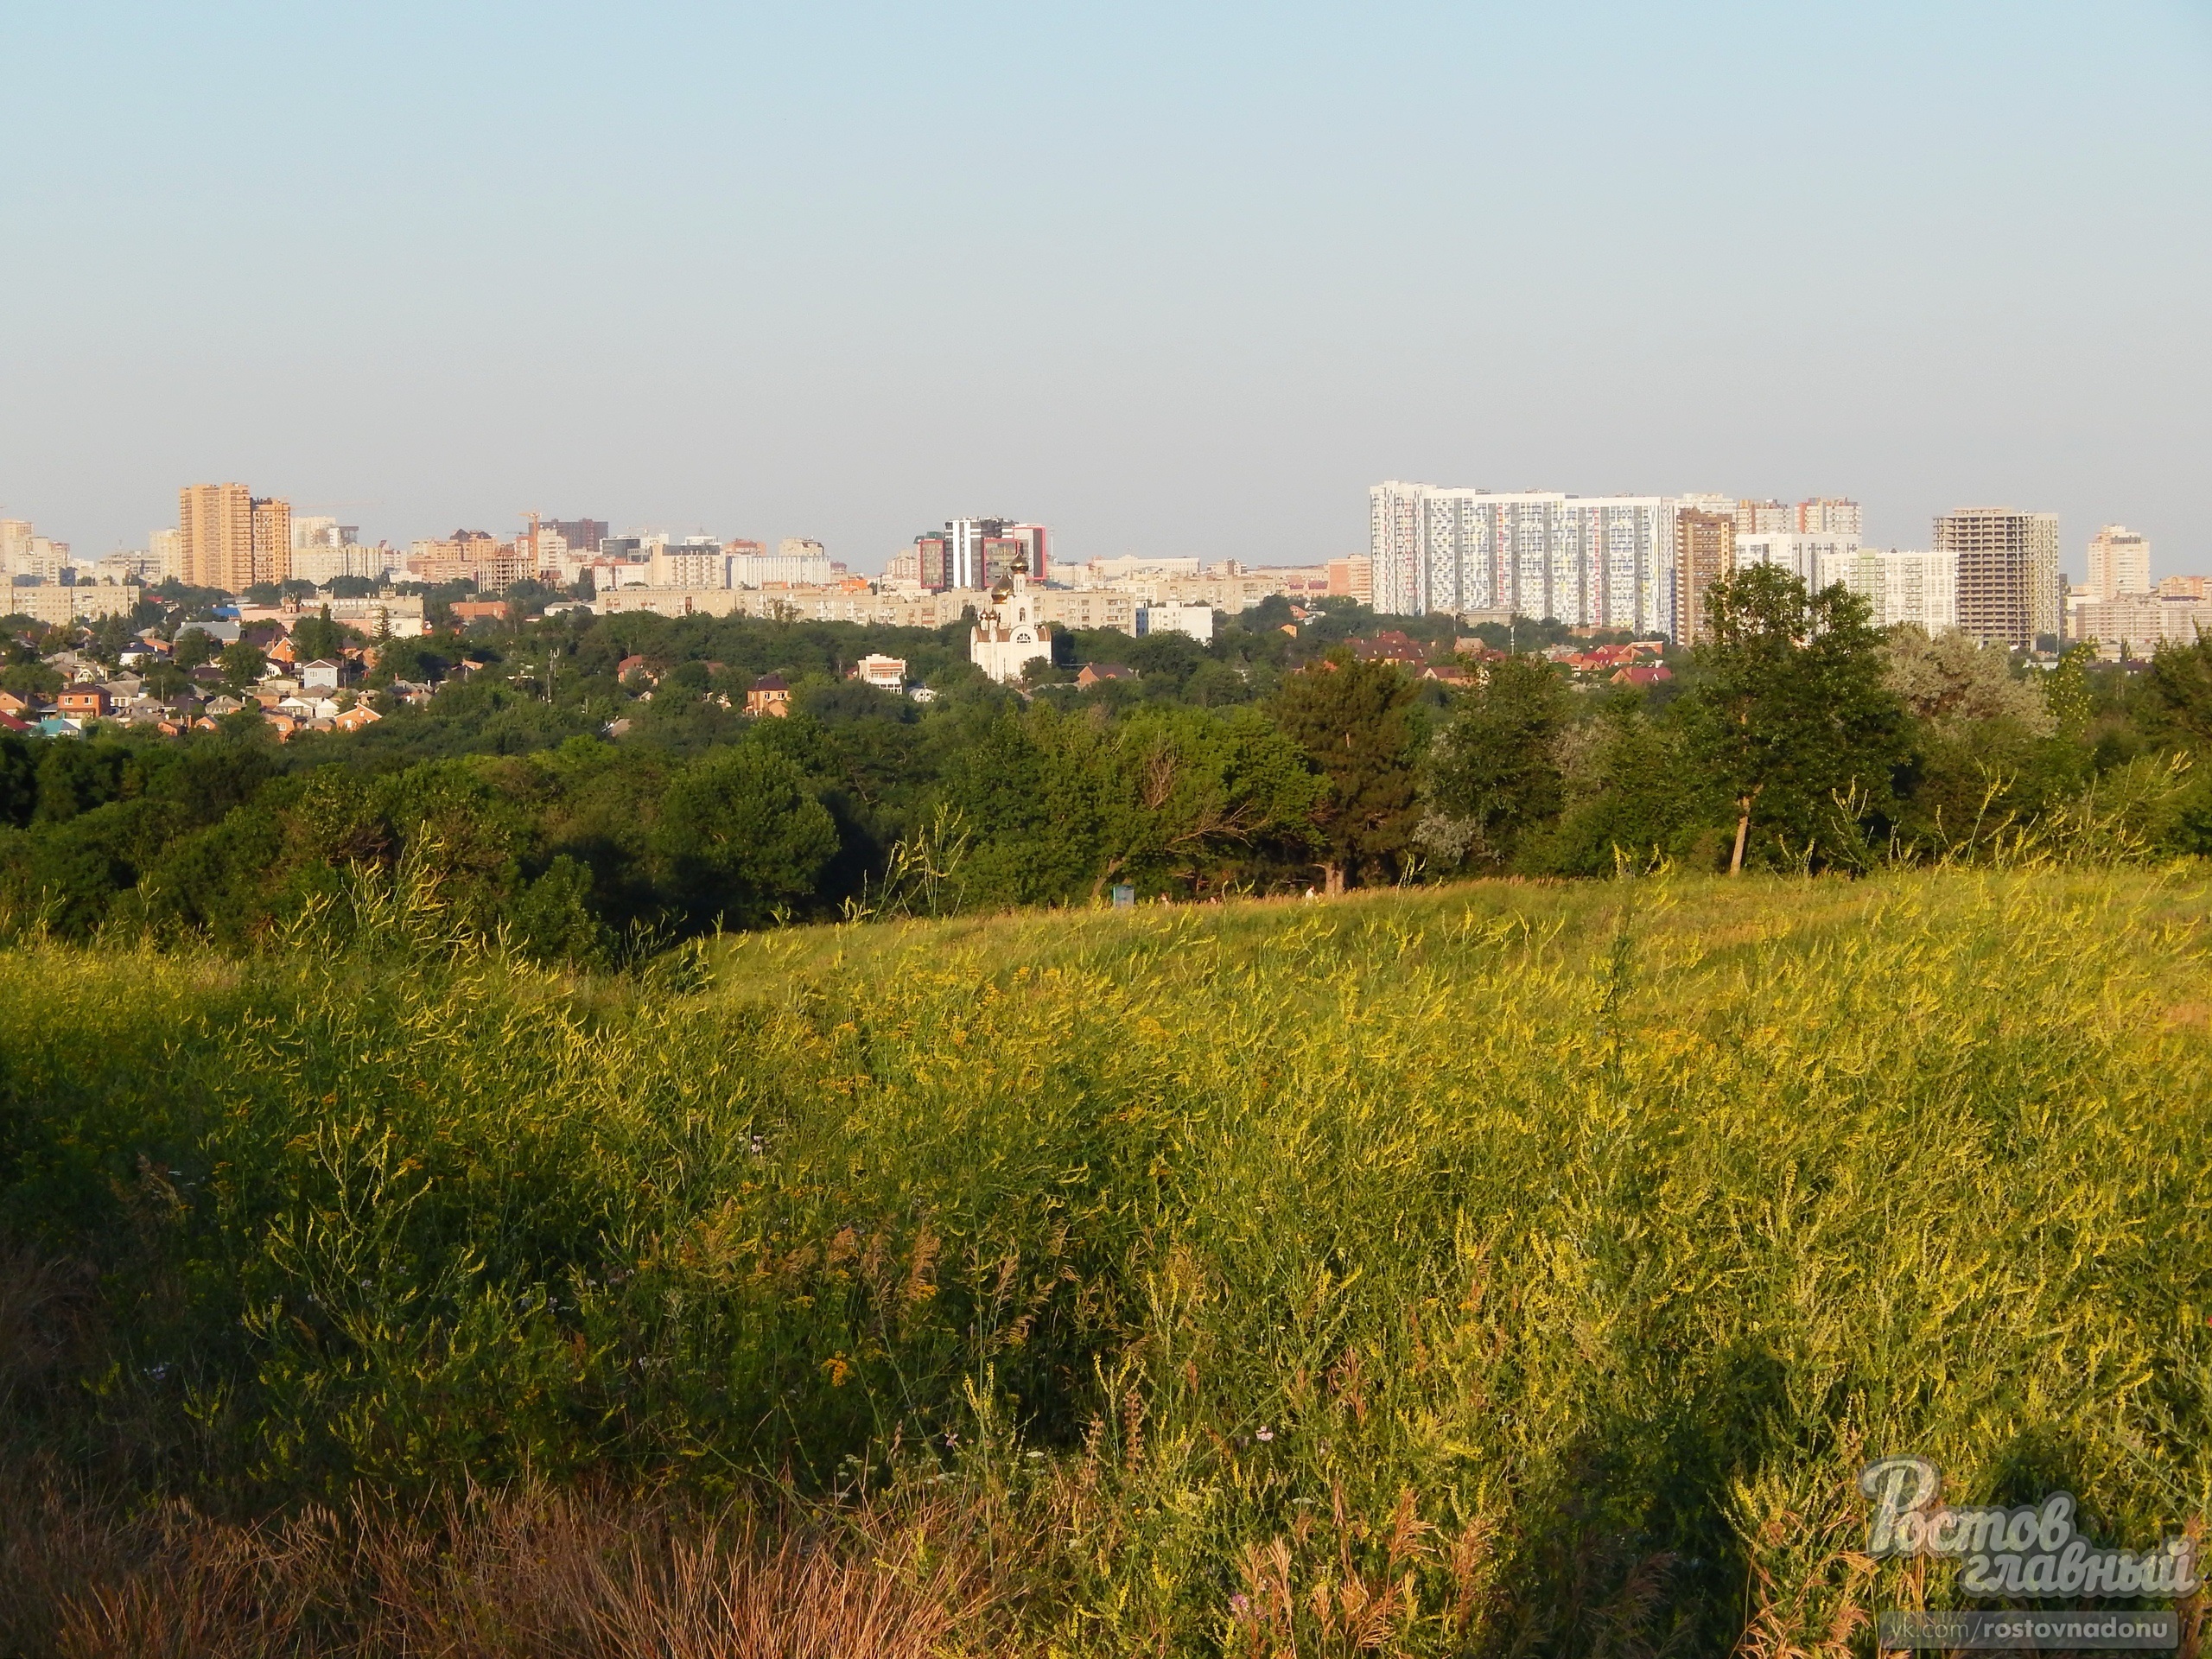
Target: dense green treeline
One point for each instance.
(592, 787)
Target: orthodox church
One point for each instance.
(1009, 634)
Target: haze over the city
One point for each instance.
(1173, 280)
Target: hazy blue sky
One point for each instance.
(1172, 279)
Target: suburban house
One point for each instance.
(886, 673)
(1092, 673)
(771, 694)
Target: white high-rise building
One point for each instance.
(1898, 586)
(2119, 563)
(166, 548)
(322, 532)
(1800, 555)
(1588, 561)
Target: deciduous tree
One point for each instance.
(1791, 714)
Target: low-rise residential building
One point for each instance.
(1194, 620)
(1109, 608)
(886, 673)
(2136, 624)
(1390, 645)
(771, 694)
(1093, 673)
(57, 606)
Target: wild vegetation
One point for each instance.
(596, 790)
(1494, 1268)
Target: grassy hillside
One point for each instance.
(1493, 1268)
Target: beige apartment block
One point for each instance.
(2119, 563)
(272, 539)
(1753, 517)
(796, 604)
(1829, 515)
(55, 605)
(230, 538)
(215, 523)
(16, 536)
(1087, 607)
(2137, 624)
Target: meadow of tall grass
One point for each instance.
(1500, 1269)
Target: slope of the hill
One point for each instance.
(1486, 1269)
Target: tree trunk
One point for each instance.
(1332, 880)
(1743, 833)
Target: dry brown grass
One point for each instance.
(529, 1573)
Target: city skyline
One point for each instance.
(1226, 271)
(2077, 558)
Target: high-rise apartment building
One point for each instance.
(166, 548)
(272, 539)
(1604, 560)
(2009, 591)
(474, 555)
(696, 562)
(24, 552)
(216, 523)
(980, 553)
(581, 535)
(1793, 550)
(230, 538)
(1833, 516)
(1759, 518)
(2119, 563)
(317, 531)
(1898, 584)
(1705, 551)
